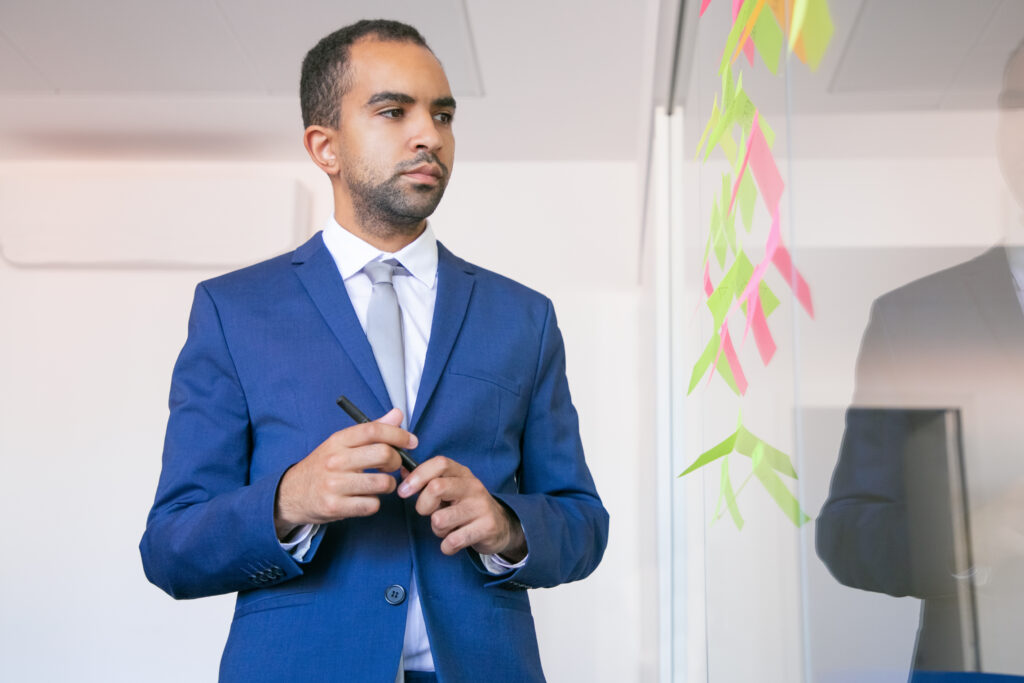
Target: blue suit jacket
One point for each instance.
(269, 349)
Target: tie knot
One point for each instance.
(383, 271)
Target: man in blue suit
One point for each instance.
(343, 571)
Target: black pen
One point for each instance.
(360, 418)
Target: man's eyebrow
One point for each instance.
(388, 96)
(448, 101)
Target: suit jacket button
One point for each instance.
(395, 594)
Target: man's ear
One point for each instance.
(319, 142)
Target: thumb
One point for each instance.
(392, 417)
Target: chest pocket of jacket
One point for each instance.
(476, 407)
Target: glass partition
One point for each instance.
(846, 270)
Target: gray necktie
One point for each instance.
(384, 330)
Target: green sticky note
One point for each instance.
(712, 123)
(717, 238)
(734, 35)
(769, 302)
(704, 362)
(728, 146)
(782, 496)
(712, 454)
(748, 444)
(719, 302)
(767, 37)
(741, 272)
(726, 87)
(746, 196)
(725, 371)
(797, 21)
(728, 217)
(726, 491)
(817, 32)
(729, 229)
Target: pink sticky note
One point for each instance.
(748, 50)
(743, 169)
(762, 335)
(766, 173)
(734, 362)
(704, 6)
(784, 262)
(708, 287)
(770, 247)
(736, 6)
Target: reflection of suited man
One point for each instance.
(954, 339)
(340, 577)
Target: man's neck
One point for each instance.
(390, 239)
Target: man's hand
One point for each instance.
(462, 512)
(330, 483)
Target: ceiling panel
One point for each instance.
(536, 80)
(275, 35)
(911, 45)
(16, 73)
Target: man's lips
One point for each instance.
(424, 173)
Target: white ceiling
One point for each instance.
(885, 55)
(535, 80)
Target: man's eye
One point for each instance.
(443, 117)
(392, 113)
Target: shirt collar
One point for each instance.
(351, 253)
(1015, 255)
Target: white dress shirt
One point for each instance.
(1015, 255)
(416, 294)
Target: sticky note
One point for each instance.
(762, 335)
(810, 31)
(703, 362)
(767, 38)
(748, 28)
(704, 6)
(734, 362)
(714, 453)
(726, 492)
(747, 195)
(766, 173)
(784, 262)
(786, 501)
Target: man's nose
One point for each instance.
(424, 133)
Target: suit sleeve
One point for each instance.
(211, 529)
(867, 533)
(563, 519)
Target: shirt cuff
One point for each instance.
(299, 541)
(495, 564)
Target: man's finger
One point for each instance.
(426, 472)
(376, 432)
(440, 491)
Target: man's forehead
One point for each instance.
(398, 66)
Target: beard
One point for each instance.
(394, 207)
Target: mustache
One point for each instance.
(419, 159)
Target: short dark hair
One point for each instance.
(325, 68)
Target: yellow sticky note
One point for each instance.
(811, 31)
(767, 37)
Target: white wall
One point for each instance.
(85, 361)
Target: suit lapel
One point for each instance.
(319, 275)
(992, 288)
(455, 280)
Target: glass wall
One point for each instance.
(847, 340)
